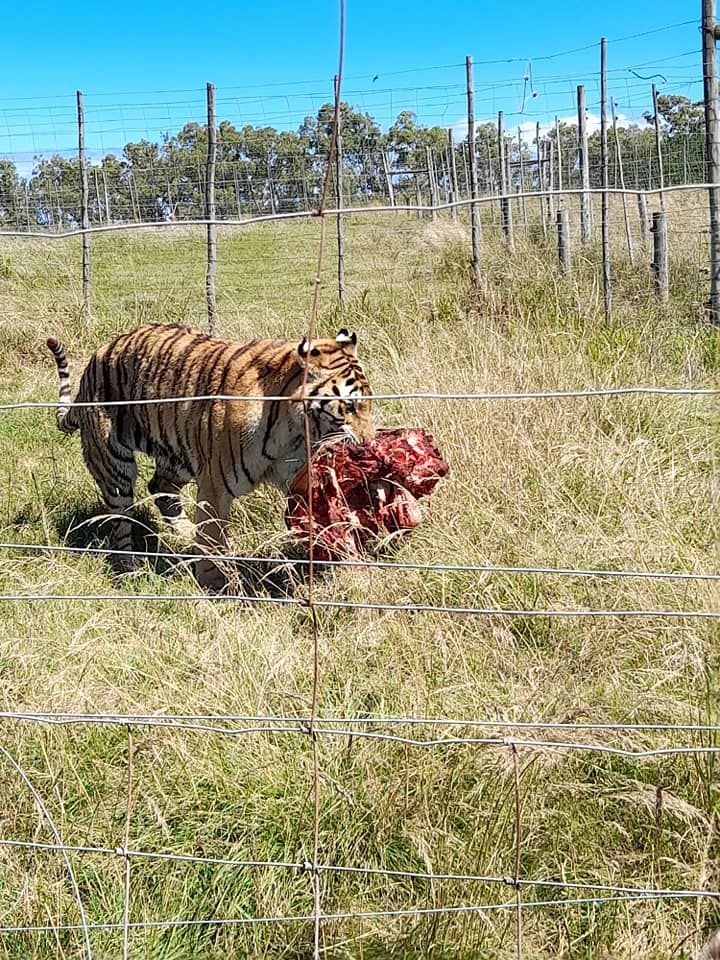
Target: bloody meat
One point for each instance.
(362, 490)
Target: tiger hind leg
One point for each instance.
(112, 465)
(165, 486)
(211, 520)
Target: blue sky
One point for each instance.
(143, 67)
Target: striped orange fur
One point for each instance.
(227, 446)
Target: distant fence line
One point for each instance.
(226, 178)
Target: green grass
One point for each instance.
(626, 482)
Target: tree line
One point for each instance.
(263, 170)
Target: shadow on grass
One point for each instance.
(279, 574)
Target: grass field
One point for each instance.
(627, 482)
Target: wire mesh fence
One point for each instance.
(106, 838)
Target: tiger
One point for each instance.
(227, 447)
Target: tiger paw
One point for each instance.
(122, 563)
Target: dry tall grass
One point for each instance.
(625, 483)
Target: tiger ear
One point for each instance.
(347, 340)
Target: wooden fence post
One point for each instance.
(505, 208)
(474, 207)
(605, 225)
(432, 183)
(643, 217)
(210, 212)
(541, 179)
(618, 158)
(106, 195)
(585, 199)
(658, 147)
(561, 199)
(452, 172)
(660, 256)
(523, 206)
(84, 215)
(563, 240)
(550, 167)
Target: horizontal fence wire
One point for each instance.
(305, 866)
(534, 613)
(314, 732)
(606, 392)
(358, 915)
(356, 729)
(279, 561)
(302, 722)
(592, 393)
(358, 210)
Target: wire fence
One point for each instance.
(168, 191)
(622, 741)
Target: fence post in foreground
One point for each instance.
(658, 147)
(618, 157)
(474, 209)
(660, 256)
(432, 182)
(84, 216)
(452, 172)
(712, 141)
(605, 225)
(210, 212)
(505, 208)
(563, 240)
(585, 199)
(541, 180)
(643, 217)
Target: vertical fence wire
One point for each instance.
(338, 161)
(712, 148)
(472, 165)
(211, 211)
(84, 212)
(126, 845)
(333, 156)
(517, 844)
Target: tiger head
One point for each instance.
(337, 388)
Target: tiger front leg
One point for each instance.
(211, 536)
(112, 465)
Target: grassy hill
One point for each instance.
(627, 482)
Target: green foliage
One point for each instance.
(263, 170)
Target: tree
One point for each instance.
(54, 191)
(678, 115)
(362, 142)
(9, 190)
